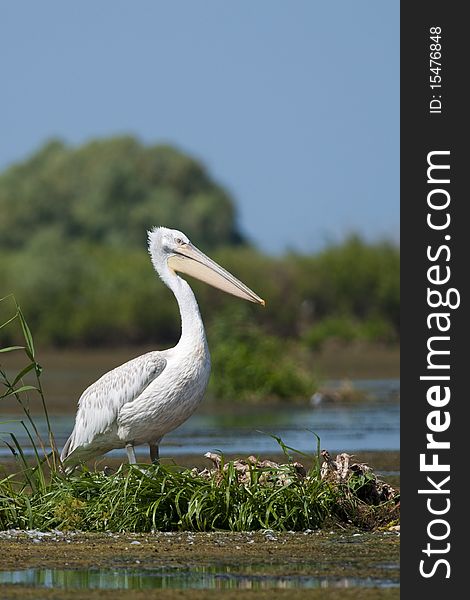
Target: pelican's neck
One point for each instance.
(192, 327)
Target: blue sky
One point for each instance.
(293, 106)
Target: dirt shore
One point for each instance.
(324, 555)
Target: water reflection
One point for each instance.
(218, 578)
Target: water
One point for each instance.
(221, 577)
(369, 425)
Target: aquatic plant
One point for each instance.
(143, 498)
(45, 451)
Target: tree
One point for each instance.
(110, 192)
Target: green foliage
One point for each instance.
(110, 192)
(143, 498)
(348, 329)
(353, 278)
(163, 498)
(251, 365)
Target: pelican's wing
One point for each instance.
(100, 403)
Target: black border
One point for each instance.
(420, 133)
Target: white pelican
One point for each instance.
(145, 398)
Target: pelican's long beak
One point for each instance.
(191, 261)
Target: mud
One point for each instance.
(334, 554)
(21, 593)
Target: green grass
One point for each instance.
(142, 498)
(147, 498)
(162, 498)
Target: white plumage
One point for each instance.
(145, 398)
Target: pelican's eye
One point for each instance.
(179, 241)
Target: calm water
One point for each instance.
(370, 425)
(214, 577)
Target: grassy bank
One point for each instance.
(163, 498)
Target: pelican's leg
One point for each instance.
(154, 453)
(131, 453)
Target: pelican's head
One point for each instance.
(172, 248)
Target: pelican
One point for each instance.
(145, 398)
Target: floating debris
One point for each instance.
(342, 470)
(272, 473)
(345, 392)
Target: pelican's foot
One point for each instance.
(148, 472)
